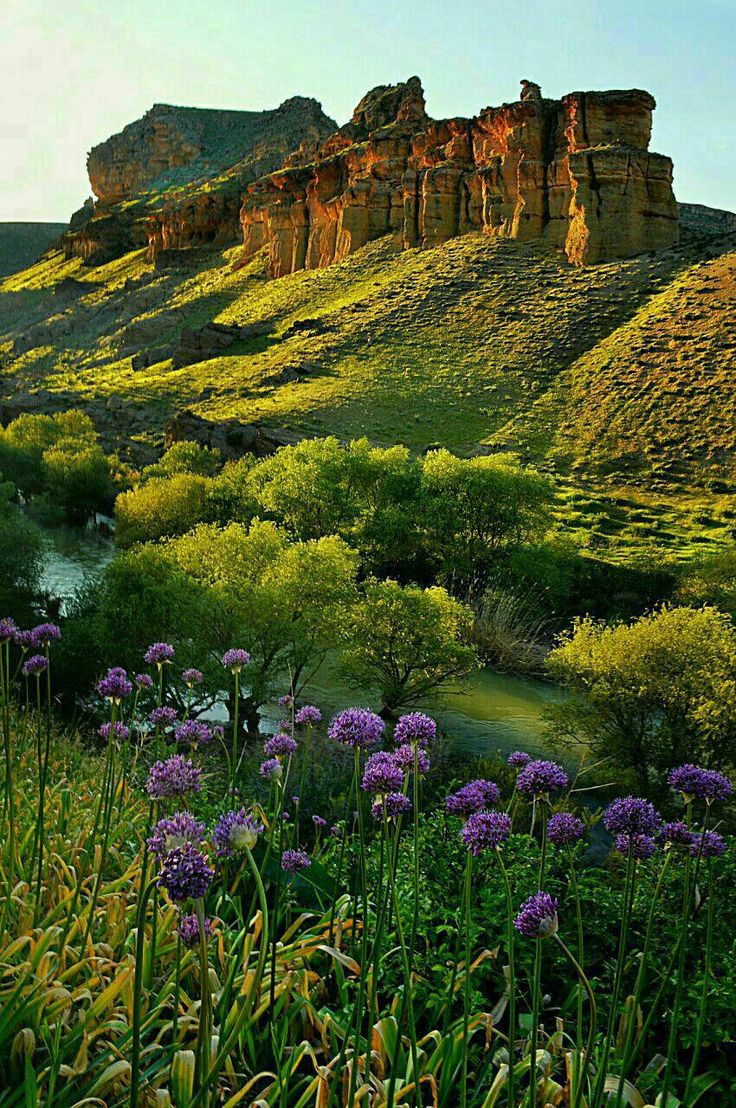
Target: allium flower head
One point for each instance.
(319, 822)
(8, 629)
(537, 918)
(115, 685)
(564, 828)
(271, 768)
(192, 677)
(286, 700)
(163, 717)
(473, 797)
(485, 831)
(23, 639)
(235, 659)
(189, 930)
(390, 806)
(632, 815)
(676, 833)
(518, 759)
(34, 665)
(279, 746)
(641, 846)
(120, 731)
(414, 727)
(540, 778)
(44, 634)
(193, 732)
(307, 716)
(703, 784)
(185, 874)
(177, 776)
(235, 831)
(357, 727)
(381, 774)
(708, 845)
(174, 833)
(144, 681)
(294, 860)
(404, 758)
(159, 653)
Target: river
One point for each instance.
(492, 712)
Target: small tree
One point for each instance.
(407, 643)
(652, 693)
(185, 457)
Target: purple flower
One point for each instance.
(192, 677)
(564, 828)
(163, 717)
(632, 815)
(473, 797)
(174, 833)
(189, 930)
(23, 639)
(120, 731)
(485, 831)
(174, 777)
(279, 746)
(518, 759)
(185, 874)
(537, 918)
(144, 681)
(193, 732)
(335, 830)
(389, 806)
(8, 629)
(235, 831)
(357, 727)
(308, 715)
(44, 634)
(235, 659)
(319, 822)
(158, 653)
(414, 727)
(708, 845)
(705, 784)
(270, 768)
(115, 685)
(641, 846)
(34, 665)
(286, 700)
(541, 778)
(404, 758)
(381, 774)
(294, 860)
(676, 833)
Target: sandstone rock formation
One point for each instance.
(175, 177)
(576, 172)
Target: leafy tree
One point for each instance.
(652, 693)
(711, 579)
(406, 642)
(185, 457)
(284, 601)
(76, 476)
(477, 508)
(21, 556)
(162, 507)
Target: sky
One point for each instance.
(73, 72)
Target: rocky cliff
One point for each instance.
(575, 171)
(176, 177)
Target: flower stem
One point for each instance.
(593, 1020)
(466, 981)
(512, 978)
(704, 988)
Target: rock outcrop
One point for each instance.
(175, 178)
(576, 172)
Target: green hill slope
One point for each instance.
(21, 243)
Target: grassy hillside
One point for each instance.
(619, 377)
(21, 243)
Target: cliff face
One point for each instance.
(575, 171)
(175, 177)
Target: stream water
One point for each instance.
(492, 712)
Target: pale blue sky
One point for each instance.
(75, 71)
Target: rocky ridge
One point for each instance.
(576, 172)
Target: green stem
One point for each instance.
(204, 1036)
(704, 988)
(679, 981)
(510, 937)
(466, 980)
(140, 946)
(363, 937)
(593, 1020)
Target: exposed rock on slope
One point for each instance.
(575, 171)
(175, 177)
